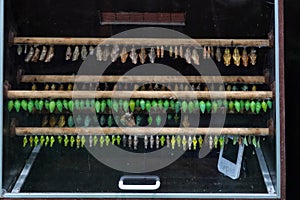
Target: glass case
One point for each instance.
(142, 99)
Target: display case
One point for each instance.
(142, 99)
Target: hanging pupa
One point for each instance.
(208, 52)
(68, 53)
(176, 52)
(162, 51)
(181, 51)
(124, 55)
(245, 57)
(227, 57)
(135, 142)
(83, 52)
(168, 141)
(218, 54)
(129, 141)
(190, 141)
(114, 53)
(62, 121)
(52, 121)
(188, 55)
(29, 55)
(99, 53)
(236, 56)
(158, 52)
(25, 49)
(171, 51)
(133, 55)
(91, 50)
(43, 53)
(75, 53)
(151, 141)
(195, 57)
(36, 54)
(212, 53)
(176, 87)
(152, 55)
(157, 141)
(204, 52)
(105, 53)
(253, 56)
(50, 54)
(45, 121)
(61, 87)
(146, 141)
(143, 55)
(19, 49)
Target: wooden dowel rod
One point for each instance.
(140, 131)
(141, 41)
(142, 79)
(13, 94)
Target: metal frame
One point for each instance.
(277, 192)
(142, 195)
(265, 172)
(26, 169)
(1, 85)
(277, 96)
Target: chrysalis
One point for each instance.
(133, 55)
(162, 51)
(208, 52)
(245, 57)
(83, 52)
(99, 53)
(143, 55)
(188, 55)
(236, 56)
(195, 57)
(181, 51)
(75, 54)
(171, 51)
(105, 53)
(19, 49)
(253, 56)
(36, 55)
(227, 57)
(212, 53)
(43, 54)
(152, 55)
(146, 142)
(204, 52)
(50, 54)
(124, 55)
(176, 52)
(68, 54)
(25, 49)
(218, 54)
(114, 53)
(29, 55)
(158, 52)
(91, 50)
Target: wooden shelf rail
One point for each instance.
(140, 131)
(140, 79)
(28, 94)
(141, 41)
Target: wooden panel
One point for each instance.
(159, 18)
(142, 41)
(140, 131)
(142, 79)
(12, 94)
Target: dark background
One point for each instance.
(292, 87)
